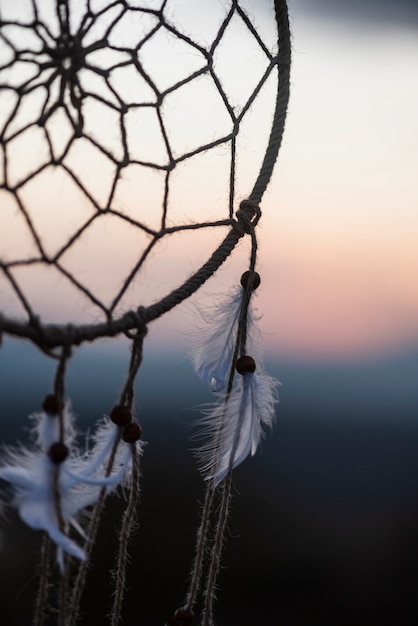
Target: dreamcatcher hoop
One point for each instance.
(66, 51)
(49, 53)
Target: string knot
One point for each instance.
(141, 320)
(137, 322)
(248, 215)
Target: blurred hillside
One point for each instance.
(324, 526)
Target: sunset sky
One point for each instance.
(342, 243)
(338, 236)
(328, 519)
(337, 239)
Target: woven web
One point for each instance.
(120, 127)
(137, 138)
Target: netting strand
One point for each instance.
(113, 114)
(58, 78)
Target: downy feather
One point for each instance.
(213, 356)
(80, 480)
(235, 424)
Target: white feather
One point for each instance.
(212, 358)
(235, 424)
(80, 480)
(46, 428)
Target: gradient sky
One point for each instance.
(338, 237)
(345, 194)
(338, 254)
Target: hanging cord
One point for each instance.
(130, 432)
(249, 214)
(80, 579)
(52, 336)
(44, 573)
(201, 543)
(54, 405)
(226, 485)
(58, 453)
(209, 593)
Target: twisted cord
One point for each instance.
(127, 526)
(59, 387)
(80, 579)
(42, 598)
(201, 543)
(129, 516)
(282, 100)
(127, 394)
(50, 336)
(250, 215)
(63, 594)
(216, 552)
(59, 391)
(128, 522)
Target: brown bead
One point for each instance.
(245, 364)
(121, 415)
(255, 281)
(50, 404)
(132, 432)
(58, 452)
(183, 617)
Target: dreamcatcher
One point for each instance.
(107, 107)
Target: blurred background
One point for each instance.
(324, 525)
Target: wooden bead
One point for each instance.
(132, 432)
(255, 281)
(121, 415)
(182, 617)
(58, 452)
(50, 404)
(245, 364)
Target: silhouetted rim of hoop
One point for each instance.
(50, 336)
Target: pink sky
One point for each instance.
(338, 254)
